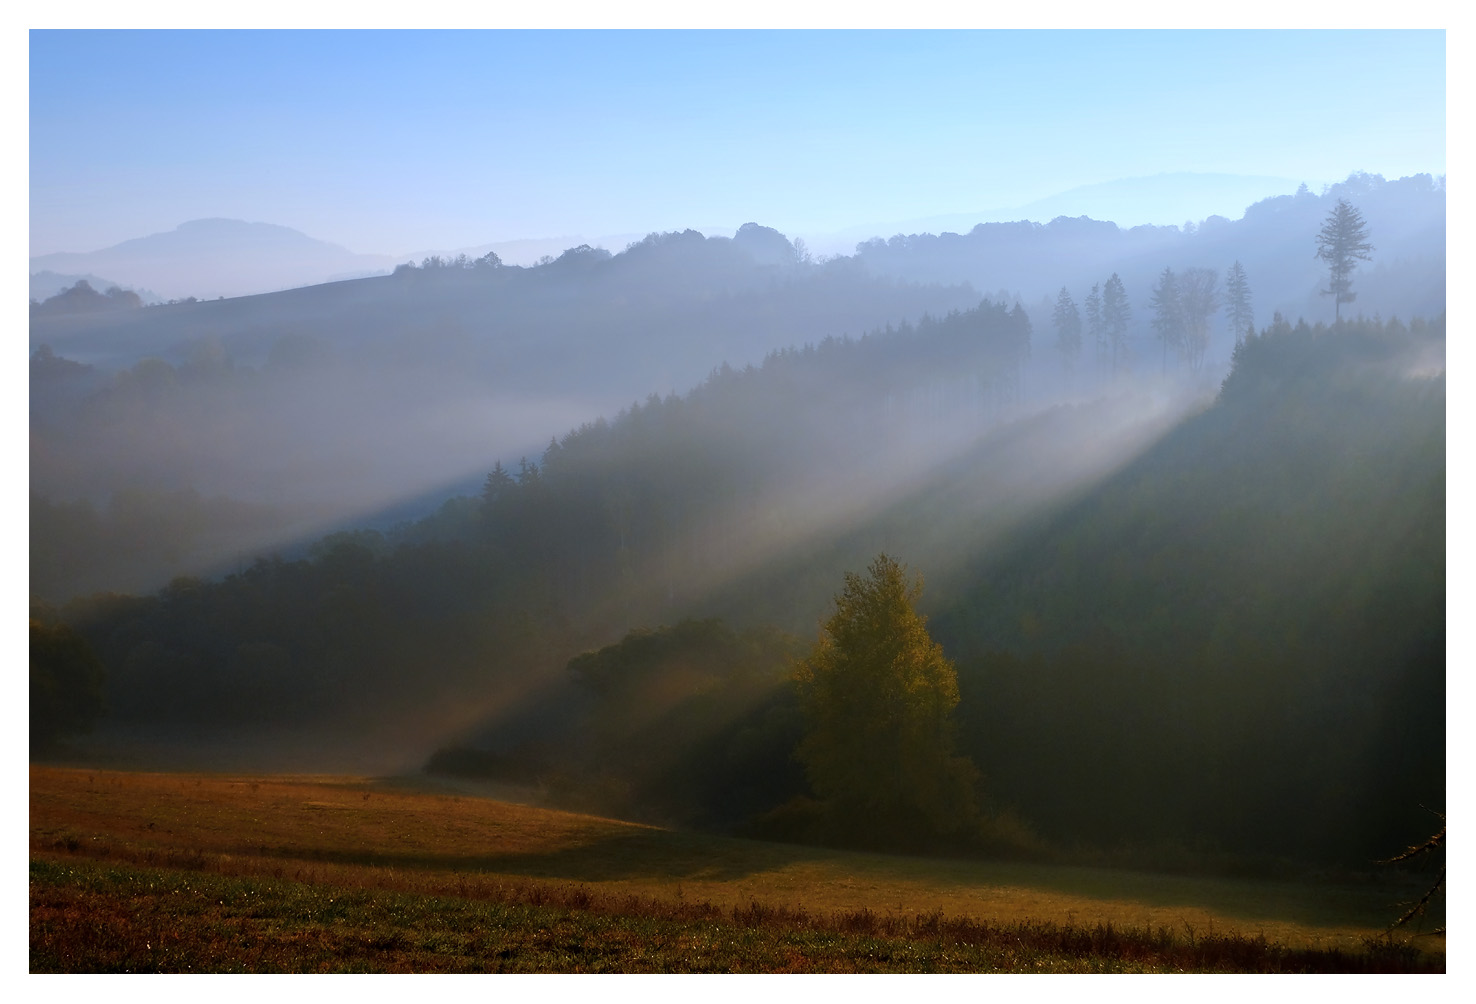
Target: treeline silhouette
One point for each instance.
(673, 302)
(81, 298)
(1272, 240)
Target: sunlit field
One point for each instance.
(190, 872)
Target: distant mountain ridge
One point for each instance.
(1177, 197)
(211, 258)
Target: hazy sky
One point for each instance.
(397, 141)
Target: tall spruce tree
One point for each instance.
(1067, 320)
(1342, 243)
(1115, 316)
(1168, 313)
(1238, 301)
(1095, 329)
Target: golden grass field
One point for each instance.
(399, 837)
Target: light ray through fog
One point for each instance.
(924, 486)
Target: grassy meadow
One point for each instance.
(213, 873)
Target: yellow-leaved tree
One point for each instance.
(878, 695)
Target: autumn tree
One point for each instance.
(878, 695)
(1342, 243)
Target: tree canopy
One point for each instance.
(1067, 320)
(66, 684)
(81, 298)
(1238, 301)
(1168, 313)
(878, 694)
(1115, 316)
(1342, 243)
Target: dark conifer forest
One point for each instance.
(1189, 576)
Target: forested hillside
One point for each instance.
(243, 426)
(293, 413)
(1230, 638)
(1239, 638)
(618, 524)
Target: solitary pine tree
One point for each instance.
(1342, 243)
(1067, 320)
(1238, 301)
(878, 695)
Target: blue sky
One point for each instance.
(398, 141)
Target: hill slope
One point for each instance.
(330, 403)
(1243, 632)
(1234, 642)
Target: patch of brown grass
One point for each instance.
(89, 916)
(356, 834)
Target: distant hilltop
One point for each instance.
(216, 257)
